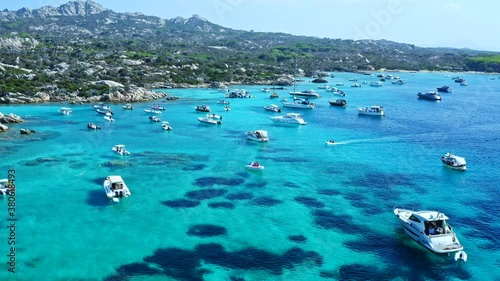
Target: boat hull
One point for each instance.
(457, 168)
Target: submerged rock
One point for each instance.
(10, 118)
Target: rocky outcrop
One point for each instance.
(10, 118)
(3, 128)
(319, 80)
(135, 94)
(284, 80)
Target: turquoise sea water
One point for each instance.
(316, 212)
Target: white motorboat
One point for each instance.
(339, 84)
(430, 229)
(463, 83)
(154, 118)
(454, 162)
(157, 107)
(128, 106)
(429, 96)
(209, 120)
(299, 103)
(289, 118)
(227, 108)
(104, 111)
(340, 93)
(93, 126)
(373, 110)
(352, 79)
(306, 94)
(255, 165)
(273, 108)
(166, 126)
(398, 82)
(65, 110)
(265, 90)
(376, 84)
(338, 102)
(102, 106)
(152, 111)
(115, 188)
(258, 135)
(356, 85)
(120, 149)
(214, 116)
(330, 142)
(326, 87)
(109, 118)
(4, 186)
(223, 102)
(202, 108)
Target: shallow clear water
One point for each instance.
(316, 212)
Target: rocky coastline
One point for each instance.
(9, 118)
(118, 93)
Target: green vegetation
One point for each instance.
(487, 59)
(192, 51)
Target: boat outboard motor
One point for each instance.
(121, 194)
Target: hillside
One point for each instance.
(64, 50)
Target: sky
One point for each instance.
(425, 23)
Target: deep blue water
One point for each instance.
(316, 212)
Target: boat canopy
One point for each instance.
(261, 133)
(115, 179)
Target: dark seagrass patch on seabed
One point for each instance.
(291, 184)
(194, 167)
(310, 202)
(297, 238)
(258, 184)
(329, 192)
(358, 200)
(186, 265)
(239, 196)
(266, 201)
(210, 181)
(47, 161)
(206, 230)
(203, 194)
(221, 205)
(342, 223)
(181, 203)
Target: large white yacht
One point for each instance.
(430, 229)
(258, 135)
(373, 110)
(115, 188)
(289, 118)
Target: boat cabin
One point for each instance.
(431, 222)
